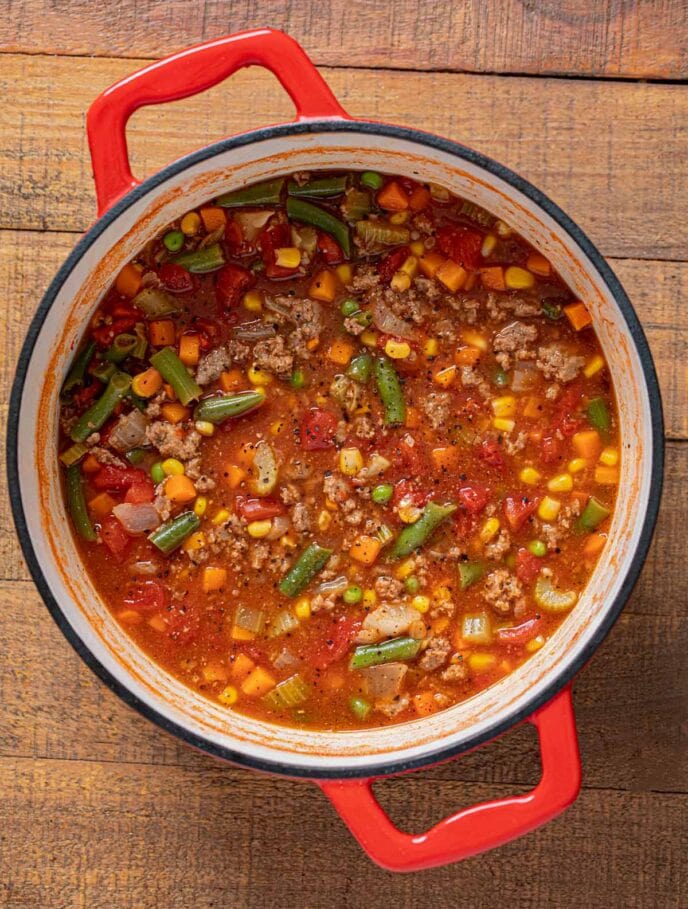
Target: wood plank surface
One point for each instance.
(612, 154)
(611, 38)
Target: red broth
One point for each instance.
(340, 450)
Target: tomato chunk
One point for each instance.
(318, 430)
(474, 497)
(330, 250)
(257, 509)
(517, 510)
(527, 566)
(175, 278)
(331, 643)
(461, 244)
(140, 492)
(118, 479)
(391, 263)
(521, 634)
(490, 452)
(231, 282)
(115, 537)
(147, 596)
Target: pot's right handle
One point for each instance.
(187, 73)
(480, 827)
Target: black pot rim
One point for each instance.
(559, 680)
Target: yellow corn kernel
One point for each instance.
(410, 266)
(350, 461)
(195, 542)
(399, 217)
(340, 351)
(344, 272)
(530, 476)
(219, 517)
(289, 540)
(259, 529)
(563, 482)
(489, 530)
(204, 427)
(535, 644)
(417, 248)
(288, 257)
(369, 598)
(517, 278)
(504, 406)
(431, 347)
(442, 593)
(501, 424)
(190, 224)
(610, 457)
(228, 696)
(445, 377)
(503, 229)
(409, 514)
(405, 569)
(258, 376)
(369, 338)
(421, 603)
(172, 467)
(576, 465)
(278, 427)
(200, 506)
(324, 520)
(592, 366)
(302, 609)
(400, 282)
(488, 246)
(397, 350)
(474, 338)
(253, 301)
(548, 509)
(481, 662)
(214, 579)
(607, 476)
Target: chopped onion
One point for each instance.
(252, 222)
(285, 659)
(145, 568)
(254, 331)
(389, 324)
(137, 518)
(250, 619)
(280, 525)
(129, 432)
(385, 681)
(387, 621)
(525, 377)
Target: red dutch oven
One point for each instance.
(323, 136)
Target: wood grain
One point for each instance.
(610, 153)
(611, 38)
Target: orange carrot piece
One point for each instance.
(213, 218)
(190, 349)
(161, 333)
(420, 199)
(128, 281)
(392, 197)
(578, 315)
(493, 277)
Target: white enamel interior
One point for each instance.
(79, 295)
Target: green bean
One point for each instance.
(221, 407)
(355, 204)
(469, 573)
(103, 371)
(77, 504)
(382, 493)
(372, 180)
(307, 213)
(415, 535)
(80, 364)
(598, 415)
(173, 240)
(377, 233)
(122, 347)
(309, 563)
(359, 707)
(268, 193)
(384, 652)
(200, 261)
(391, 394)
(172, 533)
(92, 419)
(593, 515)
(320, 187)
(176, 374)
(74, 454)
(360, 368)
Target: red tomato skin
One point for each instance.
(140, 492)
(318, 430)
(115, 537)
(257, 509)
(271, 239)
(234, 238)
(391, 263)
(474, 497)
(407, 491)
(329, 249)
(231, 282)
(461, 244)
(522, 633)
(118, 479)
(333, 643)
(147, 596)
(175, 278)
(517, 510)
(489, 452)
(527, 566)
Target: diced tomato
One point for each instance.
(461, 244)
(257, 509)
(490, 452)
(118, 479)
(115, 537)
(124, 309)
(176, 279)
(330, 250)
(517, 510)
(208, 332)
(474, 497)
(410, 452)
(147, 596)
(407, 491)
(183, 623)
(331, 643)
(104, 335)
(87, 393)
(520, 634)
(527, 566)
(271, 239)
(234, 238)
(318, 429)
(231, 282)
(391, 263)
(140, 492)
(567, 419)
(550, 450)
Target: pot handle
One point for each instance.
(480, 827)
(189, 72)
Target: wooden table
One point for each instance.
(98, 808)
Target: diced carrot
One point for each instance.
(241, 666)
(190, 349)
(213, 578)
(101, 505)
(213, 218)
(147, 383)
(324, 286)
(451, 275)
(340, 351)
(365, 549)
(424, 703)
(258, 683)
(439, 625)
(392, 197)
(538, 265)
(175, 412)
(235, 476)
(230, 381)
(180, 489)
(242, 634)
(170, 393)
(444, 376)
(446, 458)
(90, 464)
(419, 199)
(161, 333)
(587, 443)
(594, 544)
(128, 281)
(606, 476)
(493, 277)
(578, 315)
(429, 263)
(313, 343)
(467, 356)
(532, 408)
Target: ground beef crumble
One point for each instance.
(503, 592)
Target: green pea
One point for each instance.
(349, 307)
(371, 180)
(538, 548)
(157, 473)
(359, 707)
(412, 585)
(382, 493)
(298, 378)
(352, 594)
(173, 240)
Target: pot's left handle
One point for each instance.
(187, 73)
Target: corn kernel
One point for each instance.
(481, 662)
(592, 366)
(190, 224)
(344, 272)
(253, 301)
(445, 377)
(535, 644)
(324, 520)
(474, 338)
(228, 696)
(410, 266)
(442, 593)
(172, 467)
(399, 217)
(195, 542)
(417, 248)
(369, 338)
(517, 278)
(501, 424)
(405, 570)
(258, 376)
(204, 427)
(259, 529)
(400, 282)
(576, 465)
(563, 482)
(488, 246)
(397, 350)
(489, 530)
(530, 476)
(421, 603)
(503, 229)
(504, 406)
(610, 457)
(220, 517)
(431, 347)
(369, 598)
(350, 461)
(200, 506)
(548, 509)
(288, 257)
(409, 514)
(302, 609)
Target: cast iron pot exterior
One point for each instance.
(343, 764)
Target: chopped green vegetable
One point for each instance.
(155, 302)
(551, 599)
(349, 307)
(103, 371)
(552, 311)
(359, 707)
(200, 261)
(538, 548)
(500, 378)
(250, 619)
(122, 347)
(353, 594)
(77, 504)
(385, 534)
(355, 204)
(593, 515)
(307, 213)
(157, 473)
(415, 535)
(469, 573)
(360, 368)
(136, 455)
(372, 180)
(476, 628)
(221, 407)
(176, 374)
(267, 193)
(382, 493)
(390, 391)
(173, 240)
(170, 535)
(284, 622)
(309, 563)
(412, 585)
(96, 415)
(289, 693)
(598, 415)
(374, 234)
(384, 652)
(298, 378)
(317, 188)
(476, 214)
(77, 373)
(74, 454)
